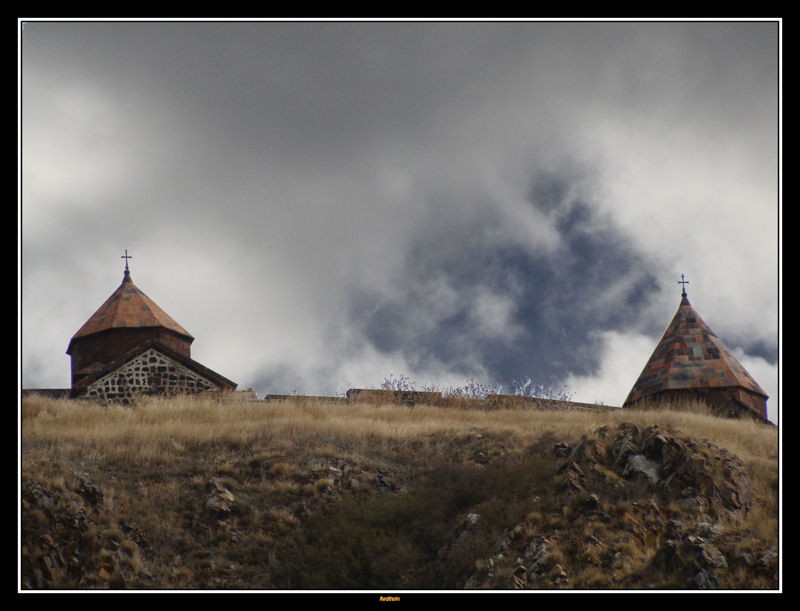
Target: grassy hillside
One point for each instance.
(189, 493)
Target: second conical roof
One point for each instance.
(690, 356)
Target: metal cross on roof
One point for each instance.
(126, 256)
(683, 282)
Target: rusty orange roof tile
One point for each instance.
(690, 356)
(128, 307)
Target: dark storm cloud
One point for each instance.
(557, 299)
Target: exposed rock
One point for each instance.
(62, 545)
(220, 500)
(710, 531)
(680, 469)
(576, 447)
(643, 506)
(693, 560)
(557, 575)
(461, 533)
(381, 482)
(573, 476)
(519, 576)
(561, 450)
(768, 560)
(640, 464)
(711, 556)
(693, 505)
(481, 458)
(590, 503)
(624, 444)
(540, 560)
(90, 492)
(705, 580)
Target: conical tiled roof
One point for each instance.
(128, 307)
(690, 357)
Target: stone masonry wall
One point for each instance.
(109, 345)
(150, 372)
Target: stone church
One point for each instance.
(130, 347)
(691, 362)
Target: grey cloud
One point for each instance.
(556, 299)
(356, 190)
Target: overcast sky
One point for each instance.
(323, 204)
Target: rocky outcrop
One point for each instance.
(643, 506)
(625, 507)
(67, 545)
(691, 472)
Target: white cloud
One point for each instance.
(622, 358)
(711, 214)
(493, 314)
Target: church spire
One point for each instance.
(127, 274)
(683, 282)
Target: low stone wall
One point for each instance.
(502, 401)
(176, 379)
(412, 397)
(304, 398)
(406, 397)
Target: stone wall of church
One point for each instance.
(149, 373)
(728, 402)
(105, 347)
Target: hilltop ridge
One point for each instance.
(197, 493)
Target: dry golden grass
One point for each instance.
(157, 428)
(153, 462)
